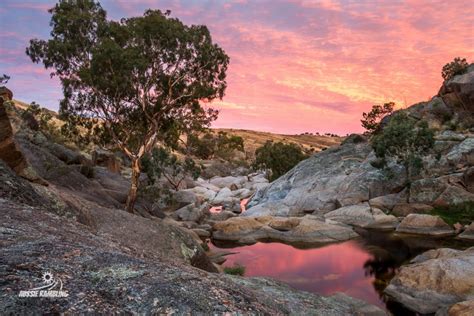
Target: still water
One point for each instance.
(360, 268)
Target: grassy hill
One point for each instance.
(255, 139)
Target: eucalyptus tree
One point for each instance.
(137, 78)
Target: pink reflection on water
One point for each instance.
(325, 270)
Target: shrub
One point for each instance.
(209, 145)
(278, 157)
(161, 162)
(458, 213)
(457, 67)
(404, 141)
(371, 120)
(236, 269)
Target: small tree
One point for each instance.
(278, 157)
(138, 78)
(405, 141)
(161, 162)
(457, 67)
(4, 79)
(371, 120)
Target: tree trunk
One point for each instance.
(132, 193)
(408, 175)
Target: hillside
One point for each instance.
(255, 139)
(252, 139)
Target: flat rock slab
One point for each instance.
(425, 225)
(307, 229)
(468, 232)
(435, 280)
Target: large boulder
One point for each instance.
(227, 182)
(458, 92)
(362, 215)
(435, 280)
(339, 176)
(307, 229)
(425, 225)
(468, 233)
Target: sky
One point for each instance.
(295, 65)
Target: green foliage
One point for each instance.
(40, 116)
(140, 77)
(371, 120)
(405, 141)
(4, 79)
(278, 157)
(210, 145)
(237, 269)
(459, 213)
(457, 67)
(162, 163)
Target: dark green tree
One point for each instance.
(457, 67)
(371, 120)
(138, 77)
(405, 141)
(4, 79)
(162, 163)
(278, 157)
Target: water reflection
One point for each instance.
(360, 268)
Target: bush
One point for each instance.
(457, 67)
(161, 162)
(372, 120)
(459, 213)
(87, 171)
(236, 269)
(404, 140)
(209, 145)
(278, 157)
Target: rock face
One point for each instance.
(307, 229)
(336, 177)
(8, 149)
(106, 159)
(425, 225)
(459, 91)
(435, 280)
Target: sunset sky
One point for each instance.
(296, 65)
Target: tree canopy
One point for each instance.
(371, 120)
(278, 157)
(137, 79)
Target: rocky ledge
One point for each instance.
(436, 280)
(306, 229)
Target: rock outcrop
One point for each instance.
(307, 229)
(344, 176)
(362, 215)
(8, 149)
(435, 280)
(468, 232)
(425, 225)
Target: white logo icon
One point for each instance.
(52, 287)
